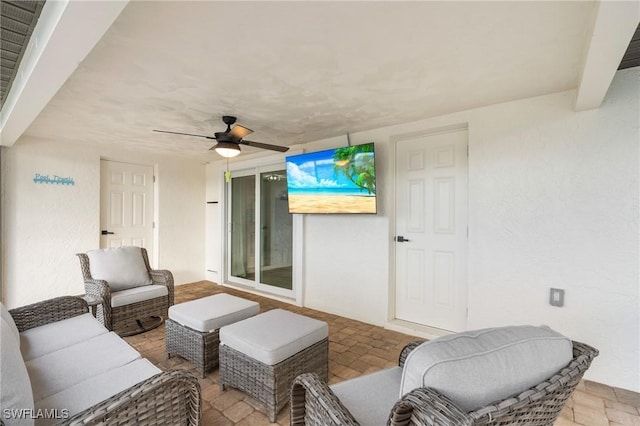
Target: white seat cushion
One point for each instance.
(86, 394)
(370, 397)
(51, 337)
(273, 336)
(479, 367)
(137, 294)
(53, 372)
(120, 267)
(11, 325)
(15, 387)
(213, 312)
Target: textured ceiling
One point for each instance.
(301, 71)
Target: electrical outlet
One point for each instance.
(556, 297)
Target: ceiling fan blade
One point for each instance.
(265, 146)
(185, 134)
(239, 132)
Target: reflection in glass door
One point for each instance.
(243, 227)
(275, 231)
(260, 243)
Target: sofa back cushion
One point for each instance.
(476, 368)
(15, 387)
(122, 267)
(6, 316)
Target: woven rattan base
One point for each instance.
(201, 348)
(141, 325)
(270, 384)
(124, 317)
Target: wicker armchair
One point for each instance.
(314, 403)
(117, 318)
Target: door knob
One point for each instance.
(400, 239)
(105, 232)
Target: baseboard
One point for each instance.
(414, 329)
(247, 289)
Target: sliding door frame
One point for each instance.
(294, 295)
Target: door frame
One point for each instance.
(258, 284)
(155, 244)
(231, 279)
(394, 323)
(277, 161)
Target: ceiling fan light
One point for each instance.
(227, 149)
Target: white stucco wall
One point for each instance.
(45, 225)
(346, 265)
(553, 202)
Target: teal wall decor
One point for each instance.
(56, 180)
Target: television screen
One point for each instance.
(340, 180)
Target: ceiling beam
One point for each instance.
(614, 25)
(66, 32)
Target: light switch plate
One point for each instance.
(556, 297)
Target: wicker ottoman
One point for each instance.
(193, 327)
(262, 355)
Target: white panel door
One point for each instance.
(126, 205)
(431, 230)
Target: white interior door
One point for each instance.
(431, 230)
(126, 205)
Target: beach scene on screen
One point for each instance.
(340, 180)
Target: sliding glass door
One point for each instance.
(242, 229)
(260, 231)
(275, 231)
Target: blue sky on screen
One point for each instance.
(315, 170)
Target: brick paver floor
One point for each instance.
(355, 348)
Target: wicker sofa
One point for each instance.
(61, 366)
(491, 382)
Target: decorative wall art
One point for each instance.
(55, 179)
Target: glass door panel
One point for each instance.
(276, 231)
(242, 236)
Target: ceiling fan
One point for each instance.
(230, 140)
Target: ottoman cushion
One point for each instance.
(212, 312)
(273, 336)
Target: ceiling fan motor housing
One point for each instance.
(222, 137)
(228, 120)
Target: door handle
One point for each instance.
(105, 232)
(400, 239)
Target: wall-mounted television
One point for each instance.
(339, 180)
